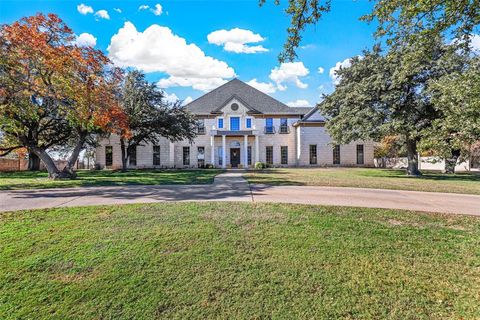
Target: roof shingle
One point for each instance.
(255, 99)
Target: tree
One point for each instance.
(396, 18)
(52, 91)
(302, 13)
(149, 117)
(94, 105)
(32, 50)
(457, 97)
(382, 95)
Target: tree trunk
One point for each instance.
(53, 172)
(124, 154)
(69, 168)
(451, 161)
(412, 156)
(33, 162)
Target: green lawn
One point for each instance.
(237, 260)
(29, 180)
(368, 178)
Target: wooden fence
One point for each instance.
(22, 164)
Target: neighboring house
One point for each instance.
(238, 126)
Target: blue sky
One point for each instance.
(173, 45)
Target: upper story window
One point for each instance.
(234, 106)
(201, 126)
(284, 125)
(269, 126)
(234, 123)
(248, 123)
(220, 123)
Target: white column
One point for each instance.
(245, 151)
(299, 145)
(171, 155)
(212, 150)
(224, 152)
(257, 151)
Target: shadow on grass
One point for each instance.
(39, 180)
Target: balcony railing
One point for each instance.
(269, 130)
(284, 129)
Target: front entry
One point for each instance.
(234, 157)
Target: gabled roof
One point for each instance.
(252, 98)
(234, 96)
(310, 113)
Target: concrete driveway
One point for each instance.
(231, 186)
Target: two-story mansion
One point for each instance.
(238, 126)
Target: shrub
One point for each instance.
(209, 166)
(260, 165)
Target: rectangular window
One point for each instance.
(132, 157)
(313, 154)
(156, 155)
(235, 123)
(269, 126)
(186, 156)
(249, 155)
(248, 123)
(108, 156)
(201, 157)
(220, 123)
(360, 154)
(284, 154)
(284, 125)
(220, 156)
(201, 126)
(336, 154)
(269, 154)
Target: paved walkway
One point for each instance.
(231, 186)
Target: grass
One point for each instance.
(369, 178)
(32, 180)
(237, 260)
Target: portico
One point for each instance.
(227, 147)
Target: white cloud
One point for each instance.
(202, 84)
(321, 70)
(157, 49)
(187, 100)
(102, 14)
(158, 10)
(143, 7)
(299, 103)
(289, 72)
(340, 64)
(333, 71)
(237, 40)
(171, 98)
(265, 87)
(86, 40)
(84, 9)
(475, 42)
(117, 10)
(308, 46)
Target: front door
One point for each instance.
(235, 157)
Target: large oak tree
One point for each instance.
(387, 94)
(150, 116)
(52, 91)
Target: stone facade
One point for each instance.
(262, 138)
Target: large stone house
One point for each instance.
(238, 126)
